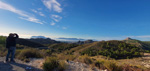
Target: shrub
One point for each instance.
(99, 64)
(66, 57)
(113, 49)
(17, 52)
(62, 66)
(127, 67)
(52, 63)
(112, 66)
(3, 51)
(60, 47)
(2, 40)
(28, 53)
(45, 53)
(85, 59)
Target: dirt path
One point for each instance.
(18, 66)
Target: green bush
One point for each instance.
(52, 63)
(2, 40)
(113, 49)
(60, 47)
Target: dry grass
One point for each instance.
(53, 64)
(66, 57)
(85, 59)
(138, 62)
(25, 54)
(112, 66)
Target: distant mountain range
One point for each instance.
(35, 37)
(39, 41)
(62, 39)
(85, 42)
(44, 40)
(70, 39)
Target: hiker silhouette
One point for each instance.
(11, 46)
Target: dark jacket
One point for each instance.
(11, 41)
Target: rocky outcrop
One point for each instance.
(77, 66)
(128, 38)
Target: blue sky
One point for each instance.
(87, 19)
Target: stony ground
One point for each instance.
(146, 60)
(143, 62)
(36, 64)
(76, 66)
(18, 66)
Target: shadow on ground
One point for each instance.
(16, 67)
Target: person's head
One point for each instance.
(11, 35)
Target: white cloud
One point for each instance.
(33, 10)
(53, 5)
(31, 19)
(64, 28)
(52, 23)
(56, 18)
(40, 13)
(39, 9)
(25, 16)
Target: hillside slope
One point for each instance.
(29, 43)
(114, 49)
(43, 41)
(21, 41)
(142, 44)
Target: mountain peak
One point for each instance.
(37, 37)
(128, 38)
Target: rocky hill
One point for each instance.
(142, 44)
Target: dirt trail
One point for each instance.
(18, 66)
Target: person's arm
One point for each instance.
(16, 36)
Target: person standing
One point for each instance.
(11, 46)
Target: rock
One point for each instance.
(77, 66)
